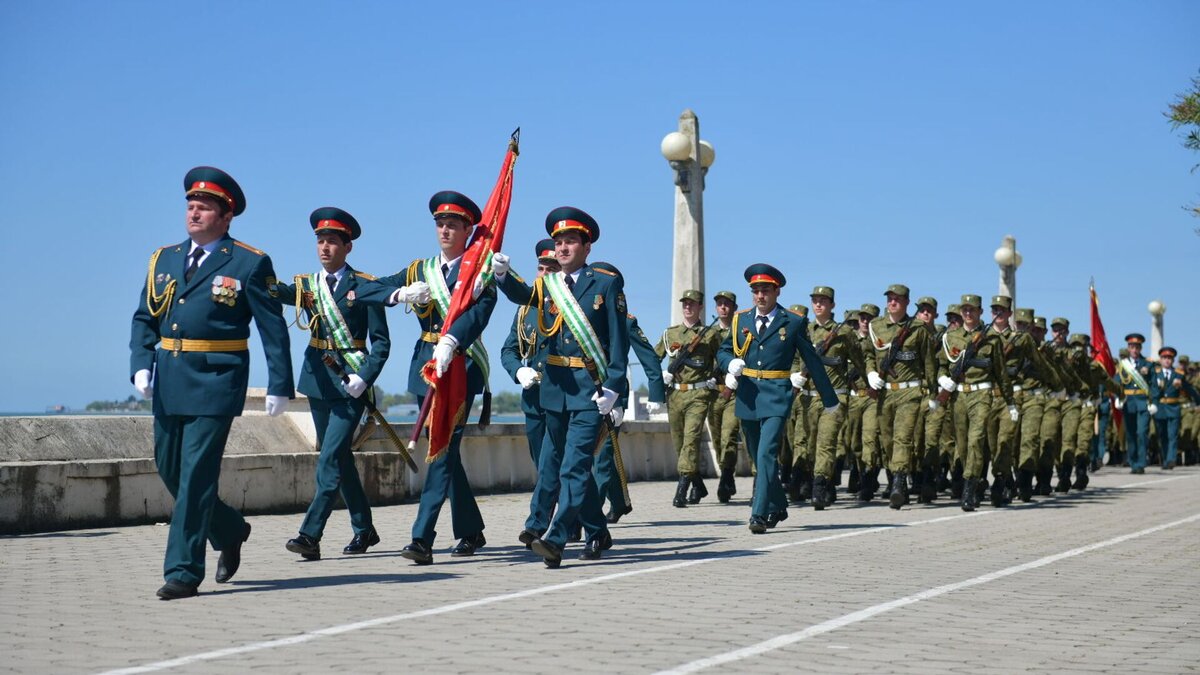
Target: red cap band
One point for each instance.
(454, 209)
(331, 224)
(564, 225)
(763, 279)
(211, 188)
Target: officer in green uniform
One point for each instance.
(427, 284)
(1133, 375)
(866, 401)
(691, 352)
(758, 357)
(971, 371)
(901, 367)
(1171, 389)
(723, 427)
(837, 347)
(325, 303)
(524, 360)
(189, 352)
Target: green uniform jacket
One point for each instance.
(702, 362)
(1024, 362)
(210, 382)
(985, 365)
(914, 360)
(843, 350)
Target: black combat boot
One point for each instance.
(943, 481)
(805, 480)
(838, 466)
(1044, 475)
(853, 485)
(725, 487)
(998, 487)
(1025, 485)
(981, 486)
(819, 492)
(1064, 478)
(899, 496)
(891, 480)
(970, 498)
(929, 488)
(865, 490)
(1081, 473)
(956, 482)
(698, 490)
(681, 490)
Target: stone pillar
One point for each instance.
(1157, 310)
(1008, 270)
(687, 269)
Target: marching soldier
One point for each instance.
(427, 284)
(1171, 389)
(837, 348)
(926, 460)
(795, 459)
(865, 401)
(193, 360)
(1189, 424)
(723, 427)
(850, 435)
(953, 458)
(758, 356)
(581, 315)
(1095, 384)
(971, 369)
(900, 366)
(1051, 433)
(338, 326)
(691, 351)
(1133, 375)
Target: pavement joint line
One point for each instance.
(780, 641)
(308, 636)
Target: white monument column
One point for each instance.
(690, 158)
(1009, 260)
(1157, 309)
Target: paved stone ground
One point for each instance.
(680, 585)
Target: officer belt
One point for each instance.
(1036, 392)
(858, 392)
(564, 361)
(1135, 392)
(978, 386)
(1073, 398)
(902, 385)
(1089, 404)
(767, 374)
(186, 345)
(839, 392)
(318, 343)
(685, 386)
(1173, 399)
(426, 336)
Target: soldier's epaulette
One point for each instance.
(604, 271)
(792, 311)
(1181, 371)
(744, 311)
(248, 247)
(364, 275)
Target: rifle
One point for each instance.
(960, 368)
(826, 343)
(333, 361)
(685, 352)
(611, 431)
(885, 366)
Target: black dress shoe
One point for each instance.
(468, 545)
(231, 559)
(176, 590)
(418, 552)
(361, 542)
(527, 537)
(758, 524)
(551, 554)
(595, 545)
(774, 519)
(613, 516)
(306, 546)
(576, 533)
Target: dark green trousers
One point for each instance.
(336, 421)
(187, 452)
(608, 481)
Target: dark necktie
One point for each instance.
(331, 279)
(191, 270)
(570, 281)
(446, 271)
(762, 324)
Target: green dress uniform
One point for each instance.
(908, 350)
(1135, 401)
(1171, 390)
(692, 391)
(358, 334)
(766, 346)
(192, 330)
(1033, 379)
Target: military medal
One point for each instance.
(599, 301)
(782, 333)
(225, 290)
(350, 299)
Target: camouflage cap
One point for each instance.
(972, 300)
(799, 309)
(1079, 339)
(1024, 315)
(693, 295)
(823, 290)
(898, 289)
(868, 308)
(955, 310)
(850, 315)
(926, 300)
(728, 295)
(1185, 359)
(1040, 322)
(1002, 301)
(1060, 321)
(1123, 353)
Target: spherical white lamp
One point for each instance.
(676, 147)
(1004, 256)
(708, 154)
(1157, 307)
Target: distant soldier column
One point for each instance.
(690, 157)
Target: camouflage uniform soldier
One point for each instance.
(796, 456)
(865, 400)
(1050, 434)
(723, 427)
(953, 456)
(850, 435)
(900, 367)
(929, 426)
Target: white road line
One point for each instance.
(492, 599)
(864, 614)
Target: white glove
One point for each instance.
(668, 378)
(528, 377)
(1151, 408)
(735, 367)
(617, 415)
(1014, 414)
(605, 401)
(1061, 395)
(653, 407)
(798, 380)
(417, 292)
(276, 405)
(141, 382)
(444, 352)
(356, 386)
(874, 380)
(1119, 403)
(833, 408)
(711, 382)
(946, 383)
(933, 404)
(731, 381)
(499, 264)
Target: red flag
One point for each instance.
(1100, 349)
(447, 396)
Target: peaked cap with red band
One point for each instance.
(569, 218)
(211, 181)
(333, 219)
(545, 251)
(455, 204)
(762, 273)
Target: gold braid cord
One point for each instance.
(525, 342)
(422, 311)
(309, 325)
(535, 299)
(739, 352)
(157, 303)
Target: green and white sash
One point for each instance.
(577, 321)
(432, 268)
(1135, 375)
(339, 332)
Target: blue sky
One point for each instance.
(858, 144)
